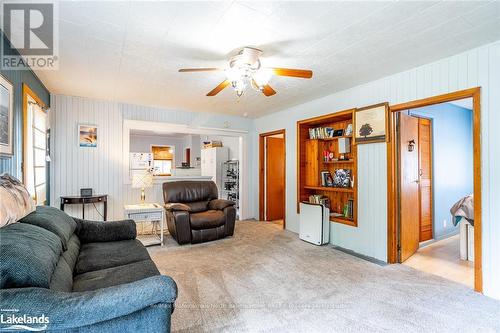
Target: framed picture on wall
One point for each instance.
(6, 116)
(87, 136)
(371, 124)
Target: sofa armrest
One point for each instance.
(70, 310)
(176, 206)
(98, 231)
(220, 204)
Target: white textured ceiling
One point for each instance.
(130, 51)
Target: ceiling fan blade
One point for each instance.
(300, 73)
(268, 91)
(219, 88)
(183, 70)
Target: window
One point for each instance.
(35, 148)
(162, 160)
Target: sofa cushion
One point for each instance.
(28, 256)
(62, 279)
(54, 220)
(101, 255)
(208, 219)
(114, 276)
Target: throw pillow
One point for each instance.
(15, 201)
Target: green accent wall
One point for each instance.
(12, 164)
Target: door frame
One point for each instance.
(393, 174)
(262, 166)
(432, 170)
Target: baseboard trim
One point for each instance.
(361, 256)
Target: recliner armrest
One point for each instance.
(220, 204)
(176, 206)
(98, 231)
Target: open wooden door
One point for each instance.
(409, 189)
(275, 178)
(425, 177)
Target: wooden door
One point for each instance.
(275, 178)
(425, 177)
(408, 182)
(188, 156)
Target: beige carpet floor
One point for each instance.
(265, 279)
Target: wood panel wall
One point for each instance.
(102, 168)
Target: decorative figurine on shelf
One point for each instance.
(348, 130)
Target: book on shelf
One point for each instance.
(325, 132)
(319, 200)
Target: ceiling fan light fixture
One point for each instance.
(245, 69)
(262, 77)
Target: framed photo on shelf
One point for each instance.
(6, 116)
(371, 124)
(326, 179)
(342, 178)
(87, 136)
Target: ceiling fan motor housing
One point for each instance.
(247, 58)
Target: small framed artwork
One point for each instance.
(87, 136)
(6, 116)
(338, 132)
(371, 124)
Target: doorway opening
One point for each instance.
(272, 169)
(436, 159)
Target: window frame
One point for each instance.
(27, 126)
(172, 159)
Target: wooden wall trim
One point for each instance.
(27, 91)
(475, 94)
(262, 137)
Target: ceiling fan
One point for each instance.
(245, 69)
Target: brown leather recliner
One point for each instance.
(194, 212)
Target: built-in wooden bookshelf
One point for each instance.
(310, 163)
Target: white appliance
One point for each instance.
(314, 223)
(211, 163)
(139, 162)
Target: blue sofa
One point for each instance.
(75, 275)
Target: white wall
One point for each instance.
(232, 144)
(477, 67)
(193, 141)
(102, 168)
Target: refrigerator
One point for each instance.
(211, 164)
(314, 223)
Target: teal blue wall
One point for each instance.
(12, 164)
(453, 173)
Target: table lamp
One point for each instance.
(142, 180)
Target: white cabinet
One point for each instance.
(211, 163)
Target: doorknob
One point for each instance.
(416, 181)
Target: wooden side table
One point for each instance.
(149, 212)
(79, 200)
